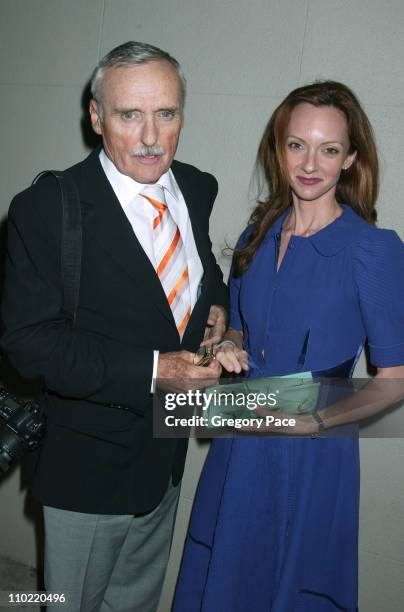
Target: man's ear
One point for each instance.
(95, 116)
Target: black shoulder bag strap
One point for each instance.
(71, 242)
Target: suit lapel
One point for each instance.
(105, 220)
(191, 196)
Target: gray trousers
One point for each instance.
(108, 563)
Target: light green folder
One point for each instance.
(294, 394)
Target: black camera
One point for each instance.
(23, 428)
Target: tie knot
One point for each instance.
(155, 195)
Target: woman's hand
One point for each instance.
(232, 358)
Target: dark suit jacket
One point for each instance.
(97, 457)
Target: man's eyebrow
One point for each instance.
(124, 109)
(172, 109)
(117, 110)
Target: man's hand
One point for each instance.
(178, 369)
(215, 326)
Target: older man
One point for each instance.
(149, 286)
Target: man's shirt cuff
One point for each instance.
(154, 375)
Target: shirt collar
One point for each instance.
(126, 188)
(336, 236)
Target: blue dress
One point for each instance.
(275, 521)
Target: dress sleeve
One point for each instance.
(379, 275)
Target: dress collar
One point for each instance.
(334, 237)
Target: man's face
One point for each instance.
(142, 118)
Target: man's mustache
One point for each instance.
(144, 151)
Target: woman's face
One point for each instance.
(317, 146)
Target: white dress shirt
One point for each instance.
(140, 215)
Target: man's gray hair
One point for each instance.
(132, 53)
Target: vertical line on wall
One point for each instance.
(100, 30)
(306, 19)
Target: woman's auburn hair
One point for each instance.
(357, 186)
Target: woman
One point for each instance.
(275, 521)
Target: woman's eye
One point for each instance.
(331, 151)
(294, 146)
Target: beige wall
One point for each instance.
(240, 59)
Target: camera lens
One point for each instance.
(5, 461)
(10, 448)
(21, 428)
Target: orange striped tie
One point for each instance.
(171, 263)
